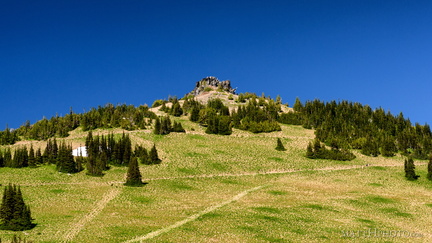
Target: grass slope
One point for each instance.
(284, 197)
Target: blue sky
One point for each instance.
(60, 54)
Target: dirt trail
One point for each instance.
(224, 175)
(76, 227)
(194, 217)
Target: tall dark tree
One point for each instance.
(279, 145)
(194, 116)
(14, 213)
(1, 159)
(410, 169)
(31, 157)
(65, 160)
(38, 157)
(133, 177)
(153, 155)
(429, 174)
(157, 126)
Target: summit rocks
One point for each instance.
(212, 83)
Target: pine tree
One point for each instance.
(157, 126)
(31, 157)
(309, 151)
(298, 106)
(176, 109)
(14, 214)
(410, 170)
(194, 114)
(153, 156)
(429, 175)
(279, 145)
(177, 127)
(1, 160)
(65, 159)
(224, 126)
(38, 157)
(133, 177)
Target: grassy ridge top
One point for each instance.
(208, 179)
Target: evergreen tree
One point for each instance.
(65, 159)
(309, 151)
(93, 166)
(194, 117)
(153, 156)
(388, 148)
(1, 160)
(177, 127)
(38, 157)
(133, 177)
(14, 214)
(298, 106)
(31, 157)
(224, 126)
(410, 169)
(429, 174)
(370, 148)
(7, 157)
(157, 126)
(176, 109)
(279, 145)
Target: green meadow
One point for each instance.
(237, 188)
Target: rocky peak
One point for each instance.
(213, 83)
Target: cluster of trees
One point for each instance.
(8, 137)
(14, 213)
(258, 115)
(352, 125)
(127, 117)
(317, 150)
(175, 110)
(409, 168)
(103, 151)
(60, 155)
(164, 126)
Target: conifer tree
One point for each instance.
(14, 214)
(153, 155)
(429, 175)
(31, 157)
(176, 109)
(177, 127)
(1, 160)
(65, 159)
(38, 157)
(410, 170)
(298, 106)
(7, 157)
(310, 152)
(279, 145)
(194, 117)
(133, 177)
(157, 126)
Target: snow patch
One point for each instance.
(80, 151)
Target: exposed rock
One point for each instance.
(213, 83)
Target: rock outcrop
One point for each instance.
(213, 83)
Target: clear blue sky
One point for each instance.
(60, 54)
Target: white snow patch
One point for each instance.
(80, 151)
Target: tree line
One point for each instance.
(102, 151)
(351, 125)
(257, 115)
(127, 117)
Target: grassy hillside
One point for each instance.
(238, 188)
